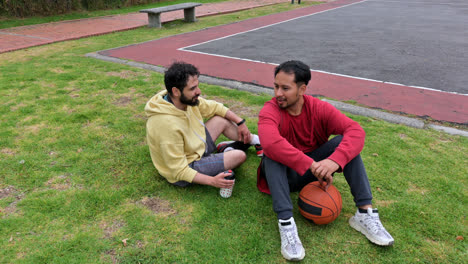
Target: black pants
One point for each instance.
(282, 180)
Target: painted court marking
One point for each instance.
(187, 48)
(416, 100)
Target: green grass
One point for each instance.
(76, 178)
(8, 21)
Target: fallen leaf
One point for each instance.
(375, 154)
(11, 239)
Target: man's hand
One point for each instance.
(323, 170)
(244, 134)
(217, 181)
(220, 182)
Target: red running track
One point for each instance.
(441, 106)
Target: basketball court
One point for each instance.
(403, 56)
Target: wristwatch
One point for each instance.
(241, 122)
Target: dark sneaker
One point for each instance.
(221, 147)
(229, 145)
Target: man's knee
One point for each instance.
(216, 125)
(273, 168)
(336, 141)
(268, 163)
(234, 158)
(240, 156)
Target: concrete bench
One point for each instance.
(154, 14)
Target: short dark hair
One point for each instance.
(300, 70)
(178, 74)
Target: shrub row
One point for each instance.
(25, 8)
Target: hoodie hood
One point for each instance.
(158, 105)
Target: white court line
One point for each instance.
(275, 64)
(270, 25)
(417, 2)
(331, 73)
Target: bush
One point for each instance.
(22, 8)
(105, 4)
(25, 8)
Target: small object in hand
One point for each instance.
(227, 192)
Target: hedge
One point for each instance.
(26, 8)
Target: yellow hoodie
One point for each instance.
(175, 137)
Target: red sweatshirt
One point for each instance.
(286, 138)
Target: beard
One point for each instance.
(285, 103)
(192, 102)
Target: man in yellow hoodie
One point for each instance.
(181, 144)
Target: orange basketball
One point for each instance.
(319, 206)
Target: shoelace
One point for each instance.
(373, 223)
(291, 241)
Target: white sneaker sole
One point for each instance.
(353, 223)
(301, 257)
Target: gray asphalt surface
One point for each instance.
(420, 43)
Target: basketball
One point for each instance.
(319, 206)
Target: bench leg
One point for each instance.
(189, 14)
(154, 20)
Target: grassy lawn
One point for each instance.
(77, 184)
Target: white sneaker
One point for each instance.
(369, 224)
(291, 246)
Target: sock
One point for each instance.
(285, 222)
(364, 211)
(255, 140)
(228, 149)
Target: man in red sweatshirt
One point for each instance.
(294, 129)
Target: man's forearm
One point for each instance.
(243, 132)
(203, 179)
(233, 117)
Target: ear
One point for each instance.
(302, 89)
(175, 92)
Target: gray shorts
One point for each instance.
(210, 164)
